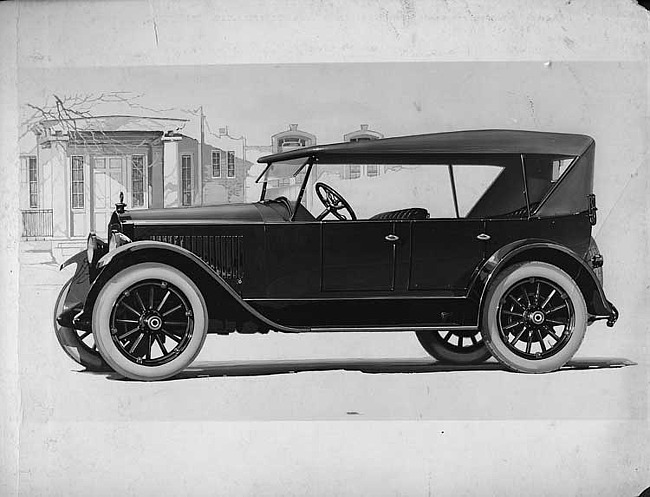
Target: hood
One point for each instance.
(203, 214)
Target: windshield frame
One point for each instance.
(309, 163)
(270, 165)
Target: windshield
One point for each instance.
(282, 170)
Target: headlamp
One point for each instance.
(91, 246)
(95, 247)
(117, 239)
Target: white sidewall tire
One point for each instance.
(104, 306)
(70, 341)
(490, 329)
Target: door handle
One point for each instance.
(483, 236)
(391, 238)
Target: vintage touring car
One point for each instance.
(477, 241)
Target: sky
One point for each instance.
(330, 100)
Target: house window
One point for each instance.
(216, 163)
(355, 171)
(361, 139)
(372, 170)
(231, 164)
(291, 143)
(33, 182)
(77, 182)
(137, 180)
(186, 179)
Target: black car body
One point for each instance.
(274, 265)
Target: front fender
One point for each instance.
(223, 302)
(546, 251)
(77, 289)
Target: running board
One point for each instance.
(443, 327)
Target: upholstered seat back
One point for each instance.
(414, 213)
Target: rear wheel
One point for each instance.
(79, 345)
(150, 322)
(455, 346)
(534, 318)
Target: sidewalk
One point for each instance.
(51, 251)
(36, 252)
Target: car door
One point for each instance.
(445, 253)
(357, 256)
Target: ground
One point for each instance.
(296, 378)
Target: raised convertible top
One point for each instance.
(475, 142)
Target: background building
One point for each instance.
(73, 170)
(72, 173)
(223, 175)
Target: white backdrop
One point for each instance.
(577, 66)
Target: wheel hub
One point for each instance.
(536, 317)
(153, 322)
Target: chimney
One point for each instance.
(364, 127)
(293, 127)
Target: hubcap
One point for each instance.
(151, 322)
(154, 323)
(535, 318)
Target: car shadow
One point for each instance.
(209, 369)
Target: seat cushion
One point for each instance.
(412, 213)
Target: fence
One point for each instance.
(37, 223)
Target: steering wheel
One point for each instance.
(333, 202)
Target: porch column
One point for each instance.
(171, 173)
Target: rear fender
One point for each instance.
(225, 305)
(544, 251)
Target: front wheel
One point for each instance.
(534, 318)
(150, 322)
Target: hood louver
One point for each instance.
(224, 254)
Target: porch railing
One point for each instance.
(37, 223)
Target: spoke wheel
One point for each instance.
(79, 345)
(149, 322)
(454, 346)
(534, 317)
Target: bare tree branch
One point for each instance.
(71, 114)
